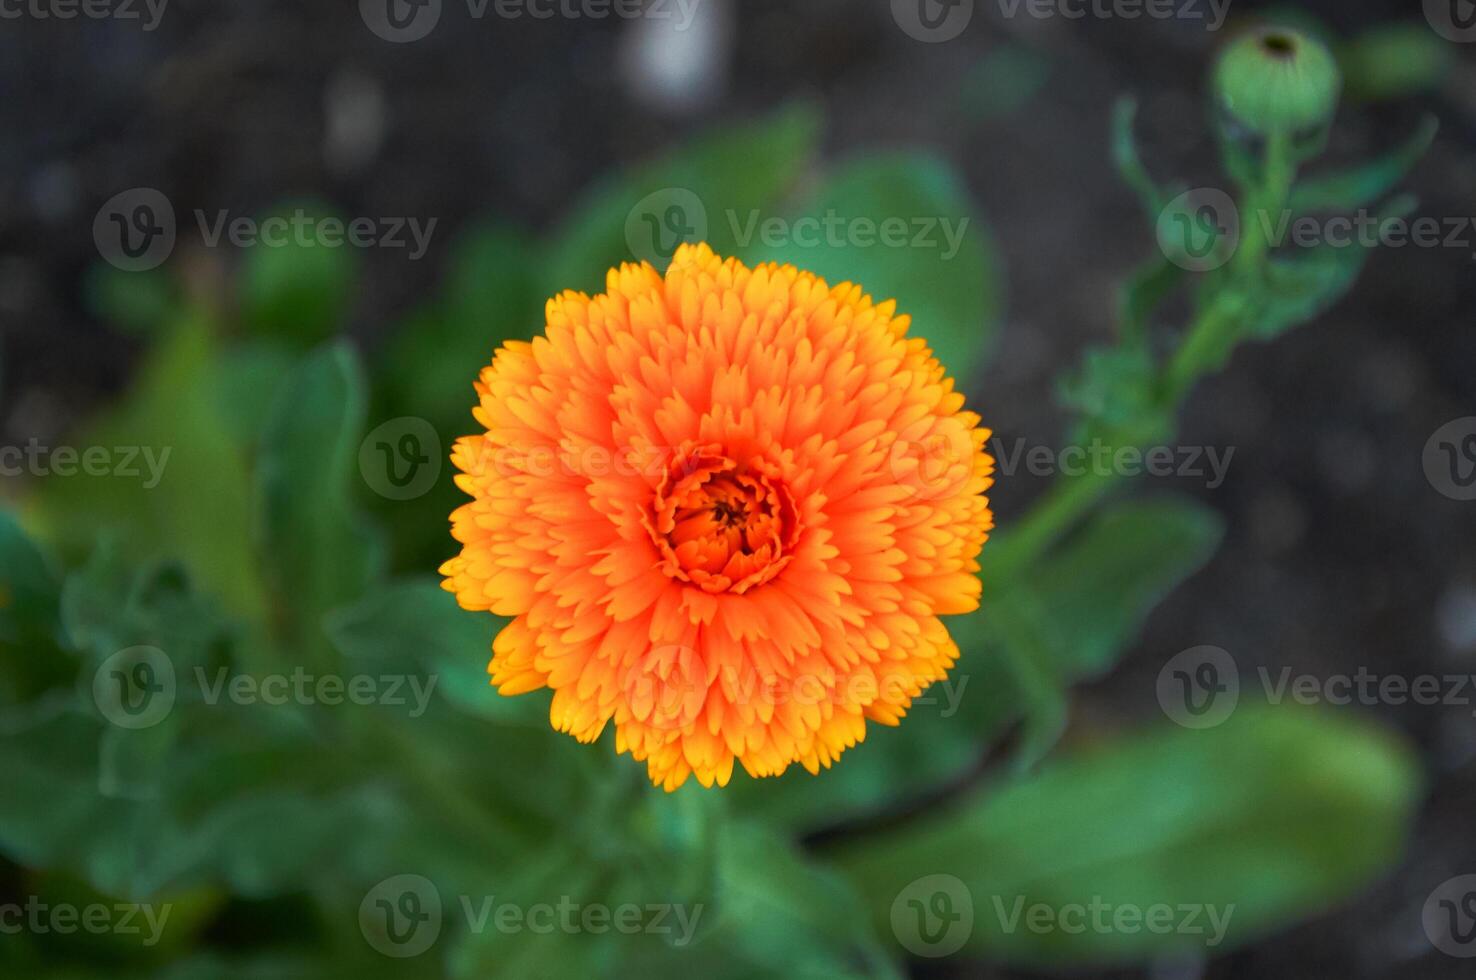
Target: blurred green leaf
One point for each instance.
(1361, 186)
(1395, 61)
(317, 552)
(139, 303)
(301, 289)
(1144, 291)
(902, 227)
(1268, 818)
(734, 170)
(174, 485)
(417, 625)
(1002, 82)
(30, 625)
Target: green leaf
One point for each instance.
(1268, 818)
(417, 625)
(1361, 186)
(136, 302)
(316, 551)
(175, 484)
(1004, 81)
(30, 594)
(1096, 590)
(1395, 61)
(767, 912)
(902, 227)
(730, 171)
(1144, 291)
(1297, 291)
(298, 290)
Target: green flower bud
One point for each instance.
(1278, 80)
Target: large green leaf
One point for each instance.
(300, 288)
(176, 483)
(1269, 817)
(30, 624)
(317, 553)
(902, 226)
(730, 171)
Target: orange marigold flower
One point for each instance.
(724, 509)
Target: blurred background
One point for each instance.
(484, 132)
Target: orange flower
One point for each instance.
(724, 509)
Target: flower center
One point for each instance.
(720, 525)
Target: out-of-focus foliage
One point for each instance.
(262, 550)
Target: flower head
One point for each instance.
(724, 509)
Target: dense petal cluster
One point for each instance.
(724, 509)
